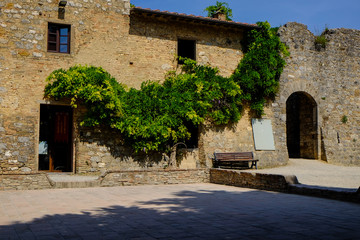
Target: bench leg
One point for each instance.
(254, 163)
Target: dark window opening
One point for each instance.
(192, 142)
(58, 38)
(186, 49)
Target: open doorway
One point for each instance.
(302, 126)
(55, 138)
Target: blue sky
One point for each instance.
(316, 14)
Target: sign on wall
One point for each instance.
(263, 134)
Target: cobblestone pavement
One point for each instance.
(195, 211)
(318, 173)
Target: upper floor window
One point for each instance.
(186, 48)
(58, 38)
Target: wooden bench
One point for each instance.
(234, 159)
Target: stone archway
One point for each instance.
(302, 126)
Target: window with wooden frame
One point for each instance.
(58, 38)
(186, 49)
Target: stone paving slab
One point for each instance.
(195, 211)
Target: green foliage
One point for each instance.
(220, 7)
(132, 5)
(321, 40)
(344, 119)
(93, 86)
(158, 115)
(259, 71)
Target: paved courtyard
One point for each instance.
(196, 211)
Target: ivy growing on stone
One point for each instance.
(159, 115)
(259, 71)
(91, 86)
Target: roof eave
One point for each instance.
(194, 18)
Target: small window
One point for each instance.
(193, 141)
(58, 38)
(186, 48)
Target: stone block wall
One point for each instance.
(17, 143)
(152, 47)
(24, 181)
(135, 48)
(252, 180)
(331, 76)
(154, 177)
(150, 53)
(97, 28)
(239, 138)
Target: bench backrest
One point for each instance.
(234, 156)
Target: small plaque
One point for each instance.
(263, 134)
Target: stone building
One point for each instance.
(318, 102)
(316, 114)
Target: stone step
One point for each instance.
(65, 180)
(87, 184)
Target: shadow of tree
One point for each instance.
(200, 214)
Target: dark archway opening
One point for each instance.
(301, 126)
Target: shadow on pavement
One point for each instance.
(202, 214)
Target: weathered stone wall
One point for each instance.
(239, 138)
(97, 28)
(138, 48)
(17, 139)
(32, 181)
(100, 149)
(154, 177)
(24, 181)
(252, 180)
(273, 182)
(150, 54)
(102, 34)
(152, 47)
(331, 76)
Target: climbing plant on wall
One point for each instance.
(158, 115)
(92, 86)
(259, 71)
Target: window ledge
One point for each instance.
(58, 54)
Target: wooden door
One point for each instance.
(56, 134)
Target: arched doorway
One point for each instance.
(301, 126)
